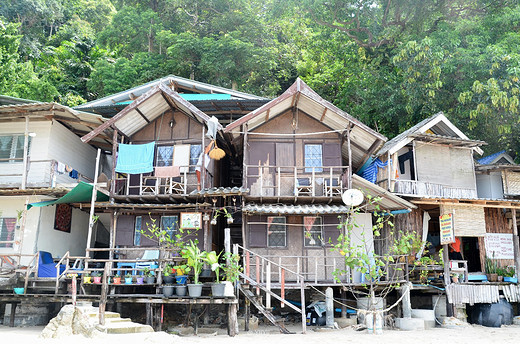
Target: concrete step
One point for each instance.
(122, 328)
(95, 313)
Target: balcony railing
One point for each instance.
(298, 181)
(419, 188)
(182, 183)
(40, 174)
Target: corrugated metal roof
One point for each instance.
(438, 124)
(389, 201)
(7, 100)
(294, 209)
(78, 122)
(301, 96)
(170, 80)
(220, 191)
(147, 108)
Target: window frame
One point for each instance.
(171, 232)
(270, 223)
(137, 232)
(14, 148)
(3, 228)
(319, 240)
(310, 168)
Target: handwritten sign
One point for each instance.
(499, 245)
(446, 224)
(191, 220)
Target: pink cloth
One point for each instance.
(167, 171)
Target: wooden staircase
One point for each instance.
(269, 316)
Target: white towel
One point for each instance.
(60, 168)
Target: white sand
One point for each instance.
(471, 334)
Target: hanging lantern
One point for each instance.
(230, 220)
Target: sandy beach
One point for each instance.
(471, 334)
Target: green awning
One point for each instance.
(82, 193)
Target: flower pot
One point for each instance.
(455, 279)
(150, 279)
(168, 279)
(181, 279)
(140, 280)
(97, 280)
(195, 290)
(87, 279)
(218, 289)
(492, 277)
(181, 290)
(168, 290)
(500, 278)
(229, 290)
(117, 280)
(128, 280)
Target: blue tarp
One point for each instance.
(370, 173)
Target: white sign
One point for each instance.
(500, 245)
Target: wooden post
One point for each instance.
(516, 244)
(245, 162)
(203, 160)
(104, 292)
(149, 319)
(13, 313)
(232, 320)
(349, 181)
(268, 285)
(302, 299)
(227, 241)
(343, 307)
(447, 280)
(92, 206)
(25, 154)
(257, 259)
(114, 160)
(282, 287)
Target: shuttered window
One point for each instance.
(7, 226)
(11, 147)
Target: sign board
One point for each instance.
(446, 224)
(191, 220)
(499, 245)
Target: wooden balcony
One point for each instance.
(181, 184)
(426, 189)
(296, 181)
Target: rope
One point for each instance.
(290, 135)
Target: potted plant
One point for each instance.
(116, 279)
(139, 279)
(491, 269)
(96, 275)
(180, 273)
(148, 275)
(87, 279)
(509, 275)
(232, 270)
(128, 278)
(227, 215)
(194, 261)
(168, 276)
(217, 288)
(455, 278)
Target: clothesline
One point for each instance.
(298, 134)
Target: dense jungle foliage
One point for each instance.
(389, 63)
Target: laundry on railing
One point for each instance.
(135, 159)
(167, 171)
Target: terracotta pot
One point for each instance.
(117, 280)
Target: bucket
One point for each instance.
(364, 303)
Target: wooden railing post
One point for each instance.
(268, 285)
(302, 300)
(282, 287)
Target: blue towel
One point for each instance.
(135, 159)
(73, 174)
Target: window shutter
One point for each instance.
(257, 232)
(331, 154)
(330, 229)
(125, 230)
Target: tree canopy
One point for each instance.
(390, 63)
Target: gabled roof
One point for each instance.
(8, 100)
(78, 122)
(499, 157)
(365, 141)
(180, 85)
(438, 126)
(147, 108)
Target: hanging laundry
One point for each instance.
(167, 171)
(74, 174)
(135, 159)
(370, 172)
(60, 168)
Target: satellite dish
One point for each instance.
(352, 197)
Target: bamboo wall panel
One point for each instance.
(511, 182)
(468, 220)
(407, 223)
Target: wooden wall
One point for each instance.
(496, 222)
(407, 223)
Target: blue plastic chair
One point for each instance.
(46, 265)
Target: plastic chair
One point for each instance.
(332, 187)
(147, 260)
(304, 187)
(47, 266)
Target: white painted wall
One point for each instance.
(490, 185)
(66, 147)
